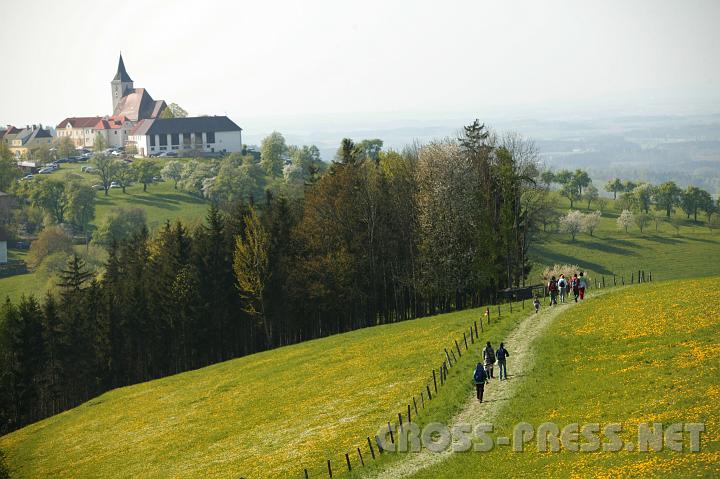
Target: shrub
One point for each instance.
(53, 239)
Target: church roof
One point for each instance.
(137, 105)
(164, 126)
(122, 74)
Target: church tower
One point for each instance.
(121, 85)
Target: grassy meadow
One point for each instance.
(266, 415)
(647, 354)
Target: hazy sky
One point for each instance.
(267, 61)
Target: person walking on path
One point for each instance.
(489, 358)
(553, 289)
(582, 285)
(480, 378)
(536, 303)
(502, 354)
(575, 284)
(562, 285)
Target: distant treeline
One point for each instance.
(376, 239)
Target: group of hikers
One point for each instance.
(485, 371)
(561, 288)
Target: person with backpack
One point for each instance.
(582, 285)
(575, 285)
(562, 285)
(502, 354)
(480, 378)
(553, 289)
(489, 358)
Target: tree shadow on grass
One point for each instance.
(662, 239)
(701, 240)
(606, 246)
(554, 257)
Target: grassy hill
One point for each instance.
(639, 355)
(266, 415)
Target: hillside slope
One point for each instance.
(648, 354)
(267, 415)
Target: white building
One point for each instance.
(209, 134)
(83, 130)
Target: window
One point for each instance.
(152, 141)
(186, 139)
(210, 136)
(175, 139)
(163, 140)
(198, 138)
(116, 132)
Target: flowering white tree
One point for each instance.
(590, 221)
(625, 220)
(572, 223)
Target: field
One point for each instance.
(695, 252)
(266, 415)
(647, 354)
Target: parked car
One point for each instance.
(168, 154)
(97, 187)
(27, 177)
(115, 153)
(86, 169)
(115, 184)
(158, 179)
(46, 170)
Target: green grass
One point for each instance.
(694, 252)
(645, 354)
(265, 415)
(14, 287)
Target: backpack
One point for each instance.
(553, 286)
(489, 355)
(561, 283)
(479, 375)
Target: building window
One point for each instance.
(152, 140)
(198, 138)
(210, 136)
(174, 139)
(116, 132)
(186, 139)
(163, 140)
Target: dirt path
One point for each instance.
(518, 343)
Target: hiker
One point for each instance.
(582, 285)
(502, 354)
(553, 289)
(489, 358)
(575, 284)
(480, 378)
(562, 284)
(536, 303)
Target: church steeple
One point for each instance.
(121, 74)
(121, 85)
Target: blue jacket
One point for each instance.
(501, 354)
(479, 376)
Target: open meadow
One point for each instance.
(240, 417)
(646, 354)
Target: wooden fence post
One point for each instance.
(465, 339)
(306, 474)
(447, 355)
(472, 336)
(603, 281)
(415, 405)
(361, 459)
(409, 417)
(442, 378)
(651, 276)
(428, 391)
(434, 380)
(458, 348)
(380, 448)
(347, 459)
(476, 333)
(372, 451)
(639, 281)
(400, 422)
(392, 439)
(632, 277)
(614, 281)
(499, 314)
(453, 355)
(329, 468)
(623, 280)
(422, 399)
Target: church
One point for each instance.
(132, 103)
(136, 120)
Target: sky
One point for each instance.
(272, 64)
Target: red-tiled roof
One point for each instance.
(80, 122)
